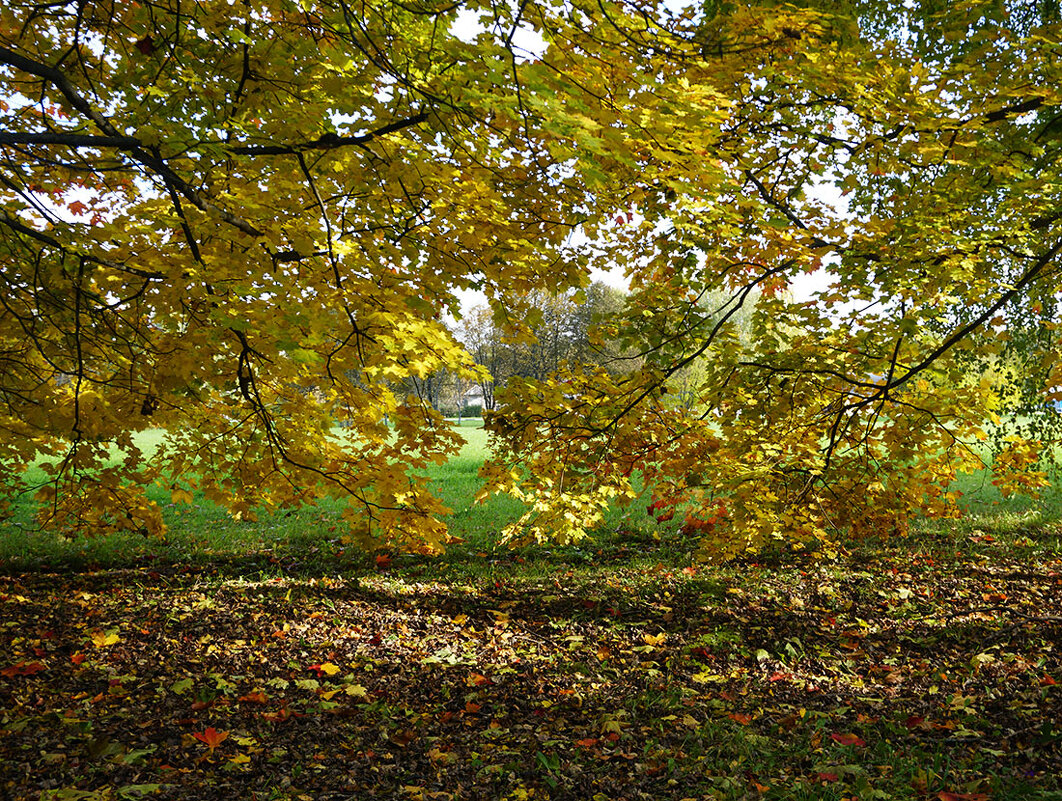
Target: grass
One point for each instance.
(204, 530)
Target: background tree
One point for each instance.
(538, 332)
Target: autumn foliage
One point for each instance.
(246, 224)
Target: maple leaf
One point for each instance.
(211, 737)
(104, 639)
(325, 669)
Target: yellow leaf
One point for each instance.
(329, 669)
(103, 640)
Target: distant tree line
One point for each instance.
(543, 331)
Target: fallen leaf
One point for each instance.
(104, 640)
(848, 739)
(22, 669)
(211, 736)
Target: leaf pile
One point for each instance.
(885, 677)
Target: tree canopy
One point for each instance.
(245, 223)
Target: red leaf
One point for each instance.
(211, 736)
(383, 561)
(146, 45)
(741, 717)
(279, 716)
(589, 742)
(77, 658)
(700, 652)
(944, 795)
(1047, 681)
(827, 777)
(848, 739)
(77, 207)
(779, 676)
(914, 721)
(22, 669)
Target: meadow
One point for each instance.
(271, 660)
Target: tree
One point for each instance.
(483, 339)
(539, 331)
(848, 413)
(244, 224)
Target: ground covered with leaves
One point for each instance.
(576, 675)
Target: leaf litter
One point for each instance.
(884, 677)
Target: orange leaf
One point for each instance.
(212, 737)
(741, 717)
(944, 795)
(1047, 681)
(22, 669)
(383, 561)
(256, 697)
(589, 742)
